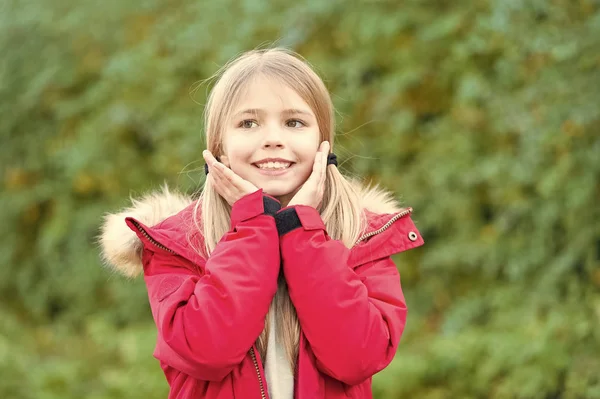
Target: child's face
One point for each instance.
(272, 121)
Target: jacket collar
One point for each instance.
(121, 248)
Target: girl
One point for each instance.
(277, 281)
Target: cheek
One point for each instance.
(239, 165)
(306, 145)
(304, 172)
(237, 152)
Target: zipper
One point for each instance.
(252, 353)
(152, 240)
(260, 382)
(385, 226)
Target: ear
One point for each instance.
(225, 160)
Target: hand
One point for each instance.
(311, 192)
(229, 185)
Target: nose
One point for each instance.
(273, 138)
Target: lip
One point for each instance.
(272, 160)
(274, 172)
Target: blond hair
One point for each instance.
(340, 209)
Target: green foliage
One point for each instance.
(482, 115)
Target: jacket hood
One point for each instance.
(121, 249)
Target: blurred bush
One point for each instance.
(482, 115)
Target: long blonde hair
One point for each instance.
(340, 208)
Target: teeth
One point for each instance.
(274, 165)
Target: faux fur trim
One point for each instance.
(120, 247)
(375, 199)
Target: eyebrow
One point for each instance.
(258, 111)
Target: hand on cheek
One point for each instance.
(225, 161)
(229, 185)
(311, 192)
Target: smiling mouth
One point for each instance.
(274, 166)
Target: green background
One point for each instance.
(482, 115)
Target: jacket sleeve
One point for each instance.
(352, 318)
(207, 322)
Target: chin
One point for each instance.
(276, 191)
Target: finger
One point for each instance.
(221, 185)
(324, 150)
(324, 168)
(215, 170)
(225, 186)
(208, 157)
(217, 186)
(229, 175)
(216, 180)
(325, 154)
(317, 165)
(210, 160)
(214, 165)
(225, 161)
(316, 169)
(232, 184)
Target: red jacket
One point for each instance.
(209, 313)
